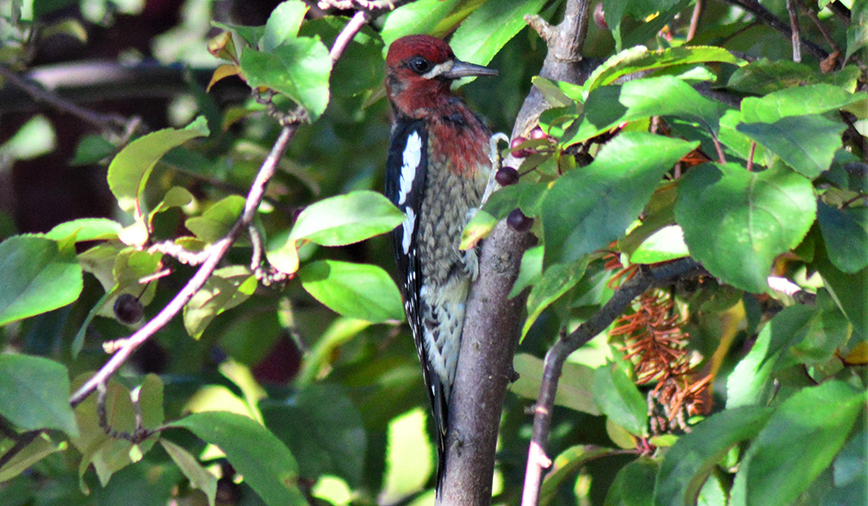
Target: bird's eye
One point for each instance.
(419, 65)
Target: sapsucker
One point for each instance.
(436, 173)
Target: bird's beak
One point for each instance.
(463, 69)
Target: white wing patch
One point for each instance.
(409, 224)
(411, 158)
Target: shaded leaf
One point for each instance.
(634, 484)
(806, 143)
(323, 429)
(574, 385)
(40, 448)
(129, 171)
(619, 399)
(255, 453)
(189, 465)
(555, 281)
(590, 207)
(35, 277)
(687, 464)
(736, 222)
(845, 232)
(217, 220)
(798, 101)
(34, 393)
(226, 288)
(564, 467)
(777, 471)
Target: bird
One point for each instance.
(437, 169)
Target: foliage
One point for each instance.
(290, 379)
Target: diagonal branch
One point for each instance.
(773, 21)
(554, 362)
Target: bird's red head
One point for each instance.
(419, 71)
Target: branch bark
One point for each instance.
(647, 278)
(493, 321)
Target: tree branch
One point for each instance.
(646, 279)
(770, 19)
(493, 321)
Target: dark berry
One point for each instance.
(128, 309)
(600, 17)
(506, 176)
(521, 153)
(518, 221)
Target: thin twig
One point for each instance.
(694, 19)
(22, 442)
(719, 148)
(105, 122)
(770, 19)
(816, 20)
(794, 26)
(646, 279)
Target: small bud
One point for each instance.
(521, 153)
(506, 176)
(600, 17)
(518, 222)
(128, 309)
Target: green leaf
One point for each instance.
(225, 289)
(806, 143)
(555, 281)
(40, 448)
(251, 34)
(490, 27)
(34, 393)
(688, 463)
(198, 476)
(217, 220)
(359, 291)
(564, 467)
(283, 24)
(177, 196)
(85, 229)
(661, 246)
(798, 101)
(35, 277)
(417, 17)
(409, 457)
(130, 169)
(776, 469)
(845, 232)
(530, 271)
(574, 386)
(750, 382)
(849, 291)
(850, 471)
(736, 222)
(346, 219)
(589, 207)
(634, 484)
(255, 453)
(762, 77)
(91, 149)
(299, 68)
(639, 59)
(323, 429)
(664, 96)
(108, 455)
(619, 399)
(857, 32)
